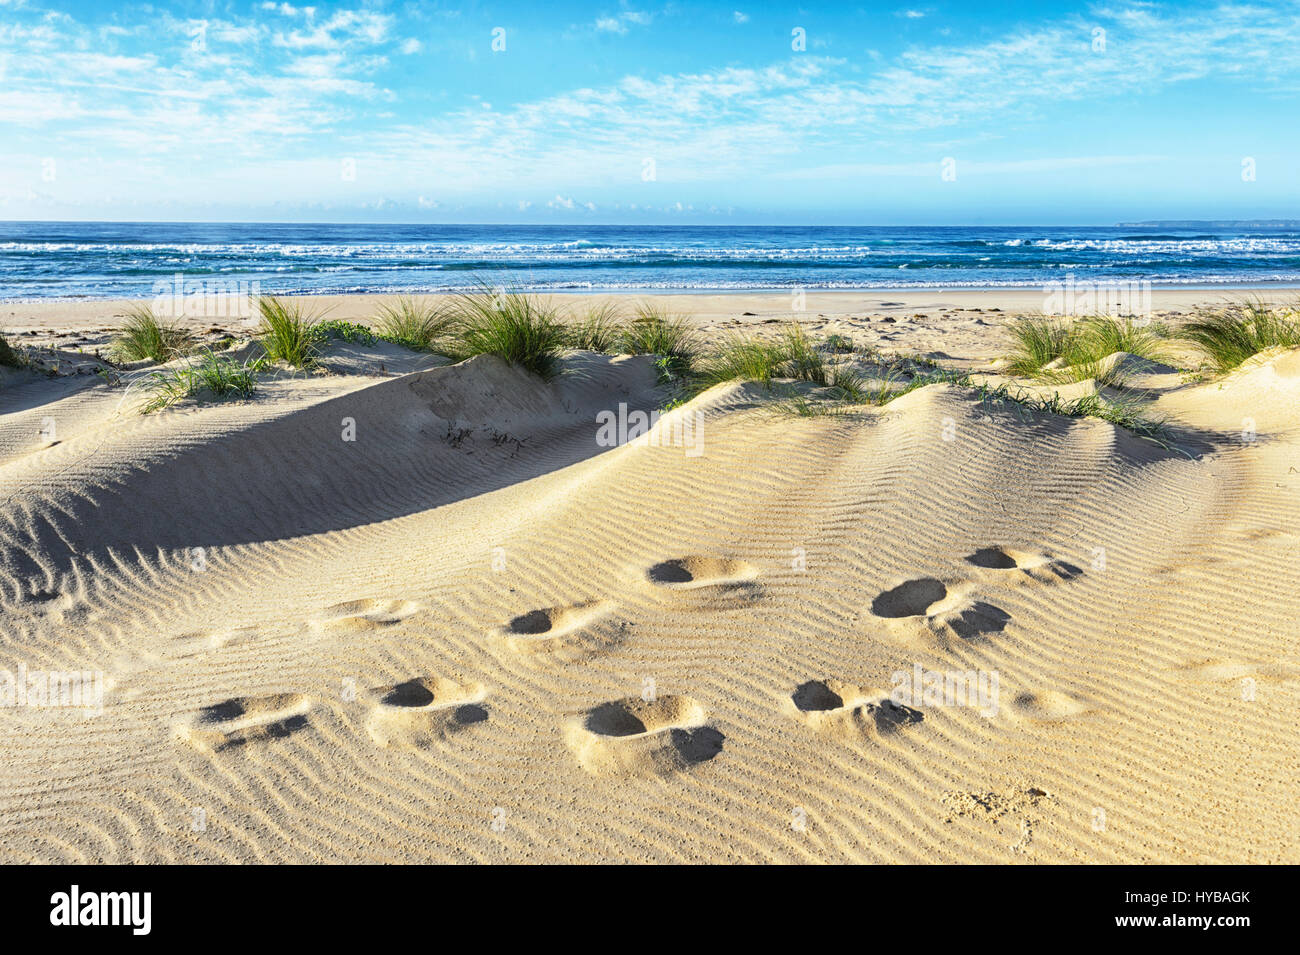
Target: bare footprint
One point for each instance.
(370, 614)
(567, 630)
(53, 606)
(707, 579)
(423, 712)
(945, 608)
(1048, 705)
(689, 573)
(1036, 565)
(197, 641)
(1218, 671)
(912, 598)
(248, 719)
(635, 736)
(844, 711)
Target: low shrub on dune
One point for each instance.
(11, 357)
(741, 359)
(1097, 336)
(145, 336)
(342, 330)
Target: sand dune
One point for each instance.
(475, 634)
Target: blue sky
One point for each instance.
(625, 112)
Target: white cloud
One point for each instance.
(143, 112)
(410, 46)
(620, 22)
(740, 17)
(345, 28)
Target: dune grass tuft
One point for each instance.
(286, 333)
(416, 323)
(1037, 340)
(1229, 337)
(144, 335)
(1097, 336)
(1076, 349)
(216, 375)
(741, 359)
(839, 345)
(519, 328)
(791, 355)
(600, 329)
(654, 332)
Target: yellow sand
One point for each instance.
(474, 634)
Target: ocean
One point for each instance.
(41, 260)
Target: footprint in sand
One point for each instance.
(571, 630)
(370, 614)
(943, 607)
(1219, 671)
(912, 598)
(247, 719)
(636, 736)
(1036, 565)
(199, 641)
(54, 606)
(423, 712)
(1048, 706)
(704, 578)
(850, 712)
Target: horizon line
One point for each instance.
(1145, 223)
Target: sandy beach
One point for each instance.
(398, 610)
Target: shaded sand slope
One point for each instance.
(473, 651)
(303, 466)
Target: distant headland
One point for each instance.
(1285, 224)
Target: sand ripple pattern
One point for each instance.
(411, 649)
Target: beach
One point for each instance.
(943, 311)
(396, 609)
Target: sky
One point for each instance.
(629, 112)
